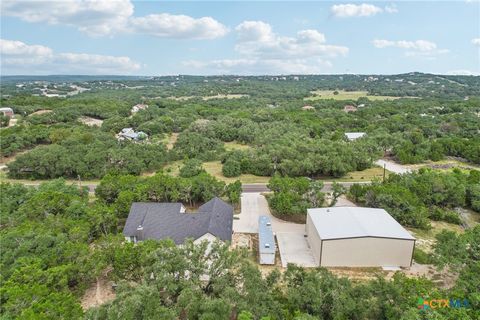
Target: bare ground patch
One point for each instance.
(91, 122)
(39, 112)
(99, 293)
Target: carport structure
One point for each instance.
(358, 237)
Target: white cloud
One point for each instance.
(355, 10)
(421, 45)
(262, 51)
(392, 8)
(254, 31)
(360, 10)
(94, 17)
(178, 26)
(101, 18)
(18, 48)
(476, 41)
(256, 39)
(17, 56)
(462, 72)
(261, 66)
(415, 48)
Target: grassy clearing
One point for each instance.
(231, 146)
(215, 169)
(226, 96)
(170, 140)
(345, 95)
(173, 168)
(426, 238)
(355, 176)
(206, 98)
(5, 179)
(447, 164)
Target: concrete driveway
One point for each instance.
(393, 166)
(294, 249)
(255, 205)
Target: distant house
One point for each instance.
(8, 112)
(349, 108)
(131, 135)
(308, 108)
(139, 107)
(354, 135)
(266, 241)
(152, 220)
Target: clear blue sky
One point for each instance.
(228, 37)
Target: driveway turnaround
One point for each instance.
(255, 205)
(294, 248)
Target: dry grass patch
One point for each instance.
(39, 112)
(91, 122)
(426, 238)
(231, 146)
(206, 98)
(214, 168)
(359, 176)
(173, 168)
(170, 140)
(345, 95)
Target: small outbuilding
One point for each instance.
(266, 241)
(349, 108)
(358, 237)
(8, 112)
(139, 107)
(354, 135)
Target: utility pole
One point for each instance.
(384, 169)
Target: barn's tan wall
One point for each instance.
(313, 239)
(367, 252)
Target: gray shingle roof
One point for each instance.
(164, 220)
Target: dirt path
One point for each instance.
(98, 294)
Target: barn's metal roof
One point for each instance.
(266, 241)
(355, 222)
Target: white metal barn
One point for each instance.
(266, 241)
(358, 237)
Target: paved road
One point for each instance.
(260, 187)
(246, 188)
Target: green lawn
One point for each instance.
(4, 178)
(345, 95)
(426, 238)
(170, 140)
(358, 176)
(215, 169)
(231, 146)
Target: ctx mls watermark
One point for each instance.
(425, 304)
